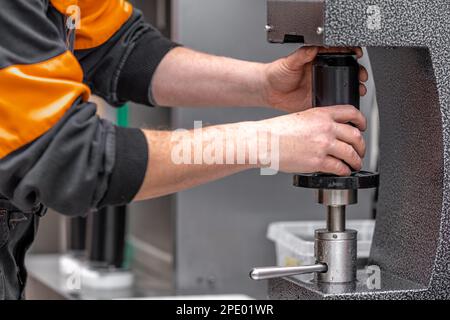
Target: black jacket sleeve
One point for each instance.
(122, 68)
(53, 147)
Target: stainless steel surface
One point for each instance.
(50, 237)
(279, 272)
(152, 223)
(302, 287)
(337, 197)
(47, 280)
(303, 18)
(336, 218)
(161, 14)
(338, 251)
(336, 246)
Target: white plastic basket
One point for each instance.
(294, 241)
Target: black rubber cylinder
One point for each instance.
(106, 237)
(336, 80)
(76, 234)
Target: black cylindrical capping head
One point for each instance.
(336, 80)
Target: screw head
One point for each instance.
(269, 28)
(320, 30)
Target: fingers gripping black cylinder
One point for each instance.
(335, 79)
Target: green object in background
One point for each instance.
(122, 121)
(128, 255)
(122, 116)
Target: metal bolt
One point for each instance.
(269, 28)
(320, 30)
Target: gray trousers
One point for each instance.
(17, 233)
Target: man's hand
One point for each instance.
(317, 140)
(320, 140)
(189, 78)
(288, 85)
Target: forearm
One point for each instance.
(317, 140)
(189, 78)
(182, 160)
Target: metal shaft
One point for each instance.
(338, 251)
(279, 272)
(336, 218)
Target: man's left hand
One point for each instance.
(288, 81)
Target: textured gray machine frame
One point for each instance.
(409, 47)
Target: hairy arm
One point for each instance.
(189, 78)
(315, 140)
(179, 160)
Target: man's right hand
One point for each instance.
(327, 140)
(317, 140)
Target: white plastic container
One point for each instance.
(294, 241)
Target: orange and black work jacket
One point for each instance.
(54, 149)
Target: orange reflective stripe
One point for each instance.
(33, 98)
(100, 19)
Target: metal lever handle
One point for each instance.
(279, 272)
